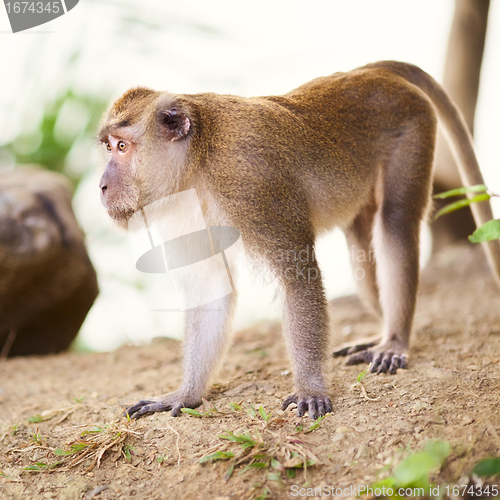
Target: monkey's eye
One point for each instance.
(122, 146)
(108, 146)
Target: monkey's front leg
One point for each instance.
(207, 332)
(306, 329)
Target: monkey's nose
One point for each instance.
(104, 189)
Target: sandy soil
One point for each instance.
(450, 391)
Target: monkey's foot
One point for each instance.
(361, 345)
(384, 358)
(172, 402)
(317, 406)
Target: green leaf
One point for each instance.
(263, 413)
(488, 467)
(362, 375)
(96, 430)
(243, 439)
(61, 452)
(487, 232)
(218, 455)
(291, 473)
(251, 411)
(461, 204)
(272, 476)
(276, 464)
(479, 188)
(254, 465)
(440, 450)
(315, 425)
(36, 419)
(388, 482)
(193, 413)
(235, 406)
(31, 467)
(230, 471)
(414, 470)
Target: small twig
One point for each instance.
(176, 443)
(363, 391)
(70, 427)
(8, 344)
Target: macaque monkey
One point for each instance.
(352, 150)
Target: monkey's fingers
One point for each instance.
(288, 401)
(316, 406)
(346, 350)
(360, 357)
(388, 362)
(146, 406)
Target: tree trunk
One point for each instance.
(461, 80)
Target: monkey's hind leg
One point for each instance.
(205, 341)
(362, 255)
(406, 193)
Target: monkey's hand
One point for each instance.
(384, 358)
(317, 406)
(174, 402)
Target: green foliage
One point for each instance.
(461, 204)
(64, 122)
(251, 411)
(244, 439)
(362, 375)
(488, 468)
(218, 455)
(479, 188)
(192, 412)
(127, 451)
(36, 438)
(275, 456)
(36, 419)
(264, 415)
(315, 425)
(414, 470)
(487, 232)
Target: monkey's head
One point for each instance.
(146, 135)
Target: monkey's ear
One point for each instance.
(175, 123)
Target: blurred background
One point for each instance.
(57, 79)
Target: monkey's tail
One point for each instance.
(461, 144)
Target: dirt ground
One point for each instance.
(73, 403)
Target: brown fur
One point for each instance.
(353, 150)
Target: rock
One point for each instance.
(342, 430)
(47, 282)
